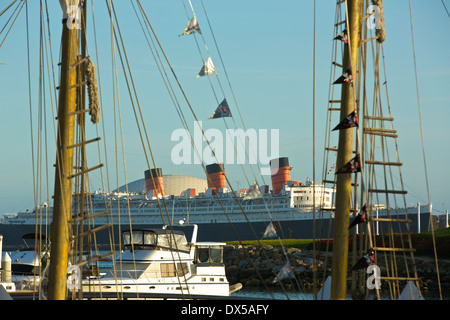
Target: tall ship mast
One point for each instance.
(368, 168)
(62, 212)
(345, 153)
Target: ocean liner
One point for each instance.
(287, 208)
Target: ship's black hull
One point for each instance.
(225, 232)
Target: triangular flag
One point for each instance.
(367, 259)
(349, 121)
(325, 292)
(360, 218)
(222, 111)
(253, 192)
(207, 69)
(343, 36)
(346, 77)
(285, 273)
(353, 165)
(270, 231)
(410, 292)
(191, 27)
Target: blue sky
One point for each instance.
(267, 50)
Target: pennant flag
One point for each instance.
(349, 121)
(343, 36)
(353, 165)
(191, 27)
(222, 111)
(285, 273)
(367, 259)
(360, 218)
(346, 77)
(270, 231)
(253, 192)
(207, 69)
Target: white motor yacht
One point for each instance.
(161, 263)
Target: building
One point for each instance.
(173, 185)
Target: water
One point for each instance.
(278, 294)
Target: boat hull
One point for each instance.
(157, 288)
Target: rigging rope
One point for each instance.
(445, 7)
(94, 104)
(314, 151)
(423, 144)
(190, 107)
(6, 9)
(21, 5)
(250, 144)
(418, 101)
(235, 125)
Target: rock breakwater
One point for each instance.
(255, 266)
(265, 265)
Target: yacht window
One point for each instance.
(163, 240)
(203, 255)
(126, 238)
(149, 238)
(166, 241)
(139, 238)
(216, 254)
(167, 270)
(182, 269)
(210, 254)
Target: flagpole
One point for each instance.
(345, 154)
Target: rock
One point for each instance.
(296, 255)
(235, 260)
(292, 251)
(277, 268)
(266, 247)
(253, 283)
(243, 263)
(231, 271)
(300, 269)
(247, 273)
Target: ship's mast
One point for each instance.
(64, 156)
(345, 154)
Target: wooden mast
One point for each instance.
(64, 157)
(345, 154)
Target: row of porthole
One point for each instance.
(212, 279)
(152, 287)
(177, 288)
